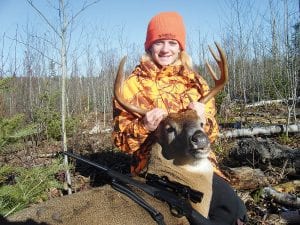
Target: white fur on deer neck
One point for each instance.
(200, 166)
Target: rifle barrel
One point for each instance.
(78, 157)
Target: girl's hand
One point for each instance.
(152, 118)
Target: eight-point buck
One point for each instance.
(181, 155)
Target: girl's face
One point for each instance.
(165, 52)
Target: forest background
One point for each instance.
(262, 50)
(52, 78)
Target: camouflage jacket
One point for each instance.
(149, 87)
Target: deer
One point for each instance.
(180, 153)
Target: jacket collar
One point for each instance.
(151, 69)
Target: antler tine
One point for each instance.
(219, 83)
(118, 92)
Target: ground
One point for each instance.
(93, 137)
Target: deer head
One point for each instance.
(181, 135)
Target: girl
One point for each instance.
(163, 82)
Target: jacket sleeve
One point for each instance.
(129, 132)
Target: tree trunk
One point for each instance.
(63, 91)
(246, 178)
(250, 132)
(284, 199)
(264, 154)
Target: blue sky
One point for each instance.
(132, 15)
(206, 17)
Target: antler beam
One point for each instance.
(219, 83)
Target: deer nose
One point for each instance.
(199, 140)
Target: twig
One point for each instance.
(283, 169)
(12, 210)
(34, 48)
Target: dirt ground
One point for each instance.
(93, 138)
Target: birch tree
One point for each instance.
(62, 33)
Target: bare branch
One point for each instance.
(84, 7)
(44, 17)
(45, 40)
(34, 48)
(4, 59)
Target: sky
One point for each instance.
(204, 17)
(133, 15)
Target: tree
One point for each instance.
(296, 54)
(62, 32)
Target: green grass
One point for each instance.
(20, 187)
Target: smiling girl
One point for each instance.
(164, 82)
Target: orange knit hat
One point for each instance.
(166, 25)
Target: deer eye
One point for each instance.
(170, 133)
(170, 129)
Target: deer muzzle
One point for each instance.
(199, 143)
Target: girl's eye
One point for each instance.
(173, 43)
(158, 43)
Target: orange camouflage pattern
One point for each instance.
(150, 87)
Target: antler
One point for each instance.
(118, 92)
(219, 83)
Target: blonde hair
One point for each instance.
(186, 59)
(183, 59)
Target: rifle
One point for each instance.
(179, 205)
(175, 187)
